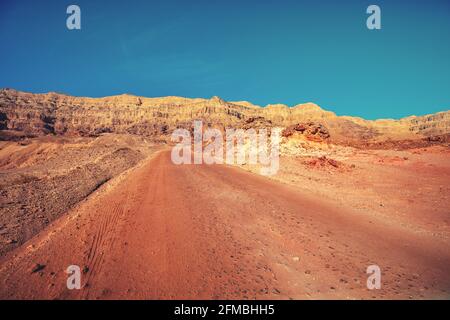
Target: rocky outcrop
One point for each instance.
(26, 114)
(312, 131)
(431, 125)
(324, 161)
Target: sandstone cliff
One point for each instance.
(30, 114)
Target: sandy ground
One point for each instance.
(409, 188)
(218, 232)
(42, 178)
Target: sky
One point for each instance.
(262, 51)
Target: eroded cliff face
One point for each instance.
(52, 113)
(38, 114)
(430, 125)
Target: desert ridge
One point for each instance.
(27, 114)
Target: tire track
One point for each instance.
(103, 242)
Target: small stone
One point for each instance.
(37, 267)
(296, 258)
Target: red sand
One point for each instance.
(216, 232)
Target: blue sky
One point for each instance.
(262, 51)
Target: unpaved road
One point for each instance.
(216, 232)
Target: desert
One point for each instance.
(90, 182)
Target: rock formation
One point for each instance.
(27, 114)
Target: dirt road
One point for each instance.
(217, 232)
